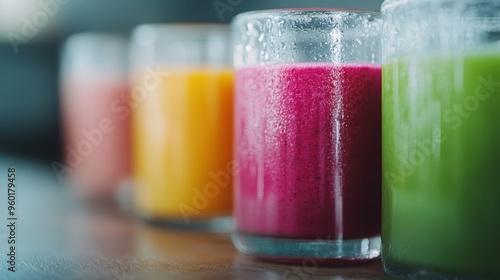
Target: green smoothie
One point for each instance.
(441, 164)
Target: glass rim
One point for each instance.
(177, 28)
(105, 36)
(392, 4)
(319, 12)
(182, 25)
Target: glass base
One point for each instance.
(408, 272)
(216, 224)
(321, 252)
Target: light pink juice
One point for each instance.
(91, 115)
(308, 148)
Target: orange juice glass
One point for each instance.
(182, 105)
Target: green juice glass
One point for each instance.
(441, 139)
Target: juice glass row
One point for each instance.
(345, 134)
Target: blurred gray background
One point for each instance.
(29, 106)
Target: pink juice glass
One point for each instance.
(308, 135)
(95, 114)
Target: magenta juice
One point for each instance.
(308, 151)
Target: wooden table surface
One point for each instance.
(59, 237)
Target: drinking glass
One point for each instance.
(182, 103)
(94, 83)
(307, 135)
(441, 100)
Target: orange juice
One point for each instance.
(182, 146)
